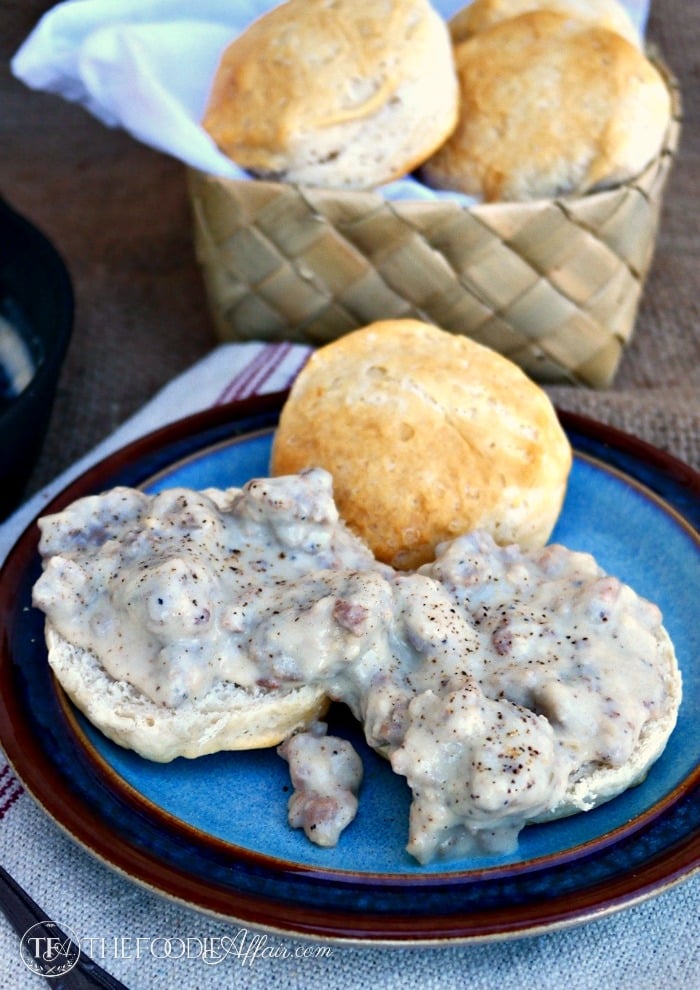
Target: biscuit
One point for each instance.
(335, 93)
(230, 718)
(147, 597)
(427, 435)
(550, 106)
(483, 14)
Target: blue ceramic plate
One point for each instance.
(213, 831)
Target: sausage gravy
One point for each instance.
(491, 678)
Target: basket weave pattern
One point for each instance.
(552, 284)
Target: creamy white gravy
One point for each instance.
(490, 679)
(170, 591)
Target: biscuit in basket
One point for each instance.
(483, 14)
(550, 106)
(427, 435)
(335, 93)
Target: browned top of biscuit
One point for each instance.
(311, 67)
(427, 435)
(550, 105)
(483, 14)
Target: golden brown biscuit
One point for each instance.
(427, 435)
(550, 106)
(483, 14)
(340, 93)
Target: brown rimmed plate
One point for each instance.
(212, 833)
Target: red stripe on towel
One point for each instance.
(11, 790)
(249, 379)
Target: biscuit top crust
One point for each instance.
(427, 435)
(550, 106)
(484, 14)
(303, 79)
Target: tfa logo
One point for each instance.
(49, 950)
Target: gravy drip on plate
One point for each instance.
(491, 678)
(326, 773)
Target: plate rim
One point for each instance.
(273, 915)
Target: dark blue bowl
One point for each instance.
(36, 320)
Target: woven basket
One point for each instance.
(552, 284)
